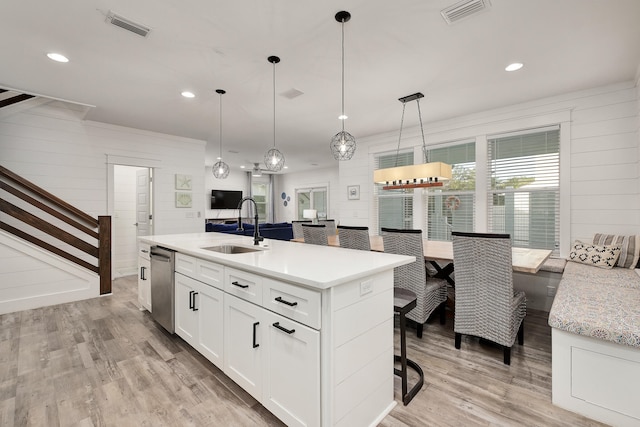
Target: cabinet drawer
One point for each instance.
(294, 302)
(143, 250)
(244, 285)
(186, 265)
(210, 273)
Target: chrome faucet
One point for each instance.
(256, 235)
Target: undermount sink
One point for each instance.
(231, 249)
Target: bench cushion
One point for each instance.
(629, 248)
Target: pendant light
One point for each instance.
(274, 159)
(343, 144)
(413, 176)
(220, 169)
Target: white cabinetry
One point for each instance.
(144, 270)
(199, 306)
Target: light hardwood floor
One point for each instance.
(103, 362)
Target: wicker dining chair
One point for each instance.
(330, 224)
(315, 234)
(296, 227)
(431, 292)
(486, 305)
(354, 237)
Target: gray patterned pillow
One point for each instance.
(594, 255)
(629, 247)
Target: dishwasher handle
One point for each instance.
(160, 257)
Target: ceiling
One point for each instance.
(392, 49)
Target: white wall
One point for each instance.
(602, 129)
(51, 146)
(289, 182)
(237, 180)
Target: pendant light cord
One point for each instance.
(220, 126)
(424, 146)
(404, 106)
(343, 117)
(274, 104)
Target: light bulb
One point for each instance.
(343, 147)
(274, 160)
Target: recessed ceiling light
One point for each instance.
(242, 167)
(514, 67)
(188, 94)
(57, 57)
(343, 117)
(286, 167)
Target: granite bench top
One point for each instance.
(598, 303)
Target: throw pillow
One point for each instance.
(629, 247)
(597, 256)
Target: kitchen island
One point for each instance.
(307, 330)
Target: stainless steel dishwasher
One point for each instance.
(162, 286)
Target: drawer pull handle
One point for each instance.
(144, 251)
(290, 304)
(254, 335)
(191, 300)
(288, 331)
(142, 276)
(194, 301)
(239, 285)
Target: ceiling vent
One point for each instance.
(463, 9)
(127, 24)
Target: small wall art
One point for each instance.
(353, 192)
(183, 182)
(183, 199)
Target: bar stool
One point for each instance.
(403, 302)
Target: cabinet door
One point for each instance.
(243, 344)
(144, 285)
(186, 316)
(210, 309)
(291, 371)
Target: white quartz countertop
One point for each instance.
(318, 267)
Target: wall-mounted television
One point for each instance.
(225, 199)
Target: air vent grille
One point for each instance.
(128, 24)
(463, 10)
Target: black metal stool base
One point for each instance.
(403, 302)
(410, 394)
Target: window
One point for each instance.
(260, 193)
(524, 187)
(395, 207)
(312, 198)
(452, 206)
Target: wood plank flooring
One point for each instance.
(103, 362)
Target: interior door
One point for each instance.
(143, 202)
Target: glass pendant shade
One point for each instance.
(220, 168)
(274, 160)
(343, 145)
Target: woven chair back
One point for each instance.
(354, 237)
(315, 234)
(296, 227)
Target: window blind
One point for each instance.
(452, 206)
(394, 207)
(524, 188)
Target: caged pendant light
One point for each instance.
(343, 144)
(274, 159)
(220, 168)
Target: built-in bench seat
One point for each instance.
(595, 321)
(554, 265)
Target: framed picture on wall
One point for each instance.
(183, 199)
(353, 192)
(183, 182)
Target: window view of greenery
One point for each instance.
(452, 206)
(524, 188)
(395, 207)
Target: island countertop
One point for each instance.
(318, 267)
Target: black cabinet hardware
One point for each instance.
(191, 299)
(288, 331)
(254, 335)
(290, 304)
(142, 276)
(239, 285)
(194, 301)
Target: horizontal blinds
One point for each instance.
(524, 188)
(394, 207)
(452, 206)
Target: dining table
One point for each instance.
(440, 254)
